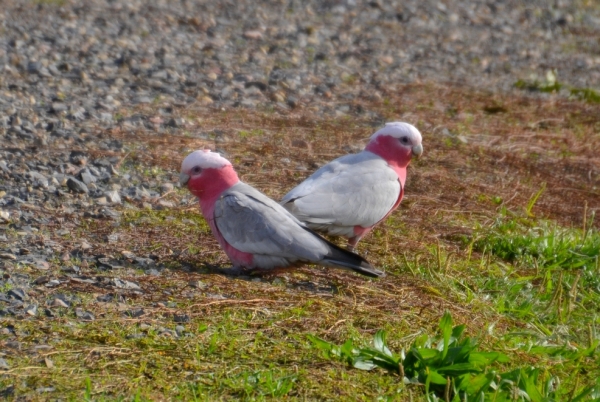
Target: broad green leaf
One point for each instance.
(478, 383)
(530, 381)
(427, 354)
(486, 358)
(347, 351)
(320, 343)
(458, 331)
(361, 364)
(379, 343)
(446, 329)
(435, 378)
(458, 369)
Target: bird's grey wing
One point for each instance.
(346, 192)
(253, 223)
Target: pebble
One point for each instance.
(76, 186)
(84, 315)
(31, 309)
(135, 313)
(166, 187)
(113, 197)
(41, 280)
(124, 284)
(59, 303)
(17, 294)
(181, 318)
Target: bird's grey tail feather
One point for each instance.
(341, 258)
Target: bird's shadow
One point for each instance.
(253, 275)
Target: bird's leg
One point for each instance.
(352, 243)
(232, 271)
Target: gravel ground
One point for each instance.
(69, 70)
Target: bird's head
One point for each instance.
(397, 138)
(206, 173)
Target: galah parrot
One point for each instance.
(254, 231)
(351, 194)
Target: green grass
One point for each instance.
(551, 84)
(451, 367)
(586, 94)
(532, 285)
(550, 274)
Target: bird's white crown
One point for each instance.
(398, 129)
(204, 158)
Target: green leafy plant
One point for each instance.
(450, 367)
(550, 84)
(586, 94)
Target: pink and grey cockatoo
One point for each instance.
(255, 231)
(351, 194)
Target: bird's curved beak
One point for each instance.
(183, 179)
(417, 150)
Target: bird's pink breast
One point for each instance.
(208, 188)
(397, 158)
(237, 257)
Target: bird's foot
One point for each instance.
(352, 249)
(233, 271)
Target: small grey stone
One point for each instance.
(4, 366)
(198, 284)
(142, 99)
(166, 187)
(109, 263)
(17, 294)
(84, 315)
(38, 179)
(113, 197)
(58, 107)
(8, 391)
(167, 332)
(88, 178)
(181, 318)
(135, 313)
(40, 264)
(109, 213)
(13, 345)
(31, 309)
(59, 303)
(106, 117)
(124, 284)
(77, 186)
(41, 280)
(34, 67)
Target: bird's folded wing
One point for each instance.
(253, 223)
(347, 192)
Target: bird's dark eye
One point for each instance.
(196, 170)
(404, 140)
